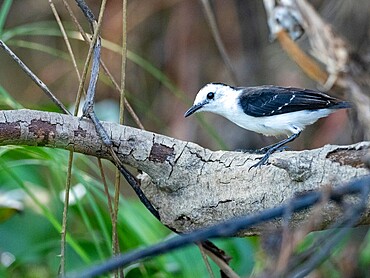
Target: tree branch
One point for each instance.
(192, 187)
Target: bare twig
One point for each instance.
(88, 109)
(116, 248)
(292, 238)
(65, 214)
(216, 35)
(78, 100)
(135, 184)
(34, 78)
(205, 260)
(350, 219)
(66, 41)
(106, 190)
(106, 70)
(70, 159)
(224, 267)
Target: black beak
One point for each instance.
(193, 109)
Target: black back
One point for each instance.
(273, 100)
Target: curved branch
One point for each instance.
(192, 187)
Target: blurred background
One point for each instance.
(172, 54)
(174, 37)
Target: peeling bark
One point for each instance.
(190, 186)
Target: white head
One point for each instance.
(213, 97)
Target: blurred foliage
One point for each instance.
(171, 55)
(171, 51)
(33, 240)
(30, 240)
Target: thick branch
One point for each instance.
(193, 187)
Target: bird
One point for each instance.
(268, 109)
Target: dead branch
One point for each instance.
(192, 187)
(345, 69)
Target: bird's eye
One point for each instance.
(210, 95)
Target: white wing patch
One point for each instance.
(285, 104)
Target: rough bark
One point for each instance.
(193, 187)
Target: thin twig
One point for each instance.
(216, 35)
(106, 190)
(88, 110)
(124, 60)
(135, 184)
(117, 183)
(105, 68)
(113, 212)
(34, 78)
(70, 159)
(351, 217)
(205, 260)
(115, 242)
(291, 239)
(224, 267)
(65, 37)
(94, 47)
(64, 219)
(78, 100)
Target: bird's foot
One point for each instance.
(269, 148)
(268, 152)
(263, 150)
(262, 161)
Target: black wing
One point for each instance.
(272, 100)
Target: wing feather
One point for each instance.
(272, 100)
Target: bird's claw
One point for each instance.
(263, 161)
(267, 151)
(268, 148)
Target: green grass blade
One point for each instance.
(44, 28)
(100, 219)
(40, 47)
(8, 100)
(4, 11)
(89, 226)
(46, 212)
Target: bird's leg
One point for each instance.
(273, 148)
(265, 149)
